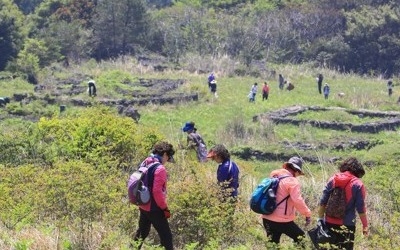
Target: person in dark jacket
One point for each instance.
(281, 81)
(390, 87)
(227, 172)
(320, 78)
(343, 229)
(156, 212)
(210, 78)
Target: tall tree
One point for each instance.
(11, 34)
(120, 26)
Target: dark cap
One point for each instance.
(296, 163)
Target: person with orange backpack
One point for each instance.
(343, 226)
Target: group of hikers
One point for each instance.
(282, 219)
(281, 83)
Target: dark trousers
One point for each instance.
(320, 87)
(265, 96)
(160, 224)
(343, 235)
(276, 229)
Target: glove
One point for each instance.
(167, 213)
(308, 221)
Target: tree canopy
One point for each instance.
(347, 35)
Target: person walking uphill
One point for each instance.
(320, 78)
(326, 90)
(281, 221)
(343, 229)
(156, 212)
(195, 141)
(227, 172)
(265, 91)
(253, 93)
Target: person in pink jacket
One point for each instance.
(156, 212)
(281, 221)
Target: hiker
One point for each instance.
(343, 229)
(210, 78)
(227, 172)
(281, 82)
(390, 87)
(195, 141)
(326, 90)
(92, 88)
(320, 78)
(265, 91)
(4, 101)
(156, 212)
(253, 93)
(281, 221)
(213, 88)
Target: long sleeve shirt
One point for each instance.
(286, 211)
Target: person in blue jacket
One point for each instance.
(227, 172)
(210, 78)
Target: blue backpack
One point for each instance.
(263, 199)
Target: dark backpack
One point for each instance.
(336, 205)
(263, 199)
(140, 183)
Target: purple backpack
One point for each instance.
(140, 184)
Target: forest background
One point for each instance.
(63, 176)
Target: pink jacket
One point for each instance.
(159, 200)
(288, 186)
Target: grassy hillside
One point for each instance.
(198, 218)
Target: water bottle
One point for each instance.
(271, 193)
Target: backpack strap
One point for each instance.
(150, 175)
(287, 197)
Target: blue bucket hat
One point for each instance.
(188, 126)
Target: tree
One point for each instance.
(119, 27)
(11, 34)
(373, 35)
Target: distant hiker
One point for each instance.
(281, 81)
(253, 93)
(213, 88)
(265, 91)
(326, 90)
(390, 87)
(195, 141)
(92, 88)
(320, 78)
(290, 86)
(211, 78)
(4, 101)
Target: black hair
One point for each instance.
(163, 147)
(221, 151)
(354, 166)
